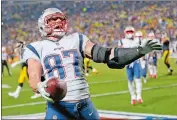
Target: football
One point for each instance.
(56, 88)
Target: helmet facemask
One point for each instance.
(129, 34)
(53, 24)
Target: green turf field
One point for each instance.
(159, 95)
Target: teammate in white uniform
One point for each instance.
(61, 55)
(133, 69)
(143, 60)
(152, 58)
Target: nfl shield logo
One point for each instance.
(54, 117)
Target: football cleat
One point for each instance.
(140, 101)
(155, 76)
(133, 102)
(171, 72)
(15, 95)
(151, 76)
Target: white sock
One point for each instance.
(131, 89)
(138, 84)
(18, 90)
(144, 79)
(169, 69)
(154, 70)
(150, 69)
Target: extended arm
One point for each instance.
(35, 72)
(32, 58)
(117, 58)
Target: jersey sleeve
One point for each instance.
(82, 42)
(31, 51)
(119, 43)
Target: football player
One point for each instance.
(143, 60)
(152, 60)
(87, 66)
(133, 69)
(61, 55)
(166, 52)
(23, 73)
(4, 62)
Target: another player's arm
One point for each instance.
(118, 57)
(34, 72)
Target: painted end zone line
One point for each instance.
(104, 114)
(92, 96)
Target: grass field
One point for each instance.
(108, 90)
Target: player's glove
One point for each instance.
(41, 88)
(149, 46)
(125, 56)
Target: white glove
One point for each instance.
(41, 88)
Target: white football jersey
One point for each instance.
(129, 43)
(63, 59)
(4, 56)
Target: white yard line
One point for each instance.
(92, 96)
(126, 91)
(106, 81)
(91, 83)
(21, 105)
(5, 86)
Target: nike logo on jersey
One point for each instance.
(54, 117)
(90, 113)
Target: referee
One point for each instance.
(4, 61)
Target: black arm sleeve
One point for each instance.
(124, 56)
(100, 54)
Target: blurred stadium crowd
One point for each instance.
(102, 21)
